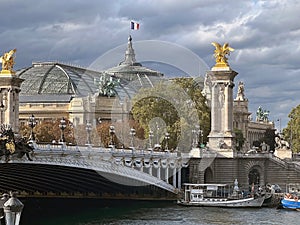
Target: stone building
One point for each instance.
(242, 120)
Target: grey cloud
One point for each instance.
(265, 34)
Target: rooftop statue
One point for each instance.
(262, 115)
(220, 54)
(8, 61)
(107, 86)
(241, 94)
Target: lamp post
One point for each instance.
(167, 137)
(201, 136)
(193, 138)
(62, 126)
(32, 124)
(11, 209)
(157, 133)
(99, 123)
(150, 138)
(132, 133)
(88, 130)
(112, 132)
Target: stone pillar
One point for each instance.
(221, 138)
(174, 177)
(179, 178)
(158, 172)
(9, 99)
(167, 174)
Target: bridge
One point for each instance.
(96, 172)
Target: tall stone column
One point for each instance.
(9, 92)
(221, 135)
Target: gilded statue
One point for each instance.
(8, 61)
(220, 54)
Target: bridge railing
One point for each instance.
(90, 151)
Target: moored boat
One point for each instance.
(217, 195)
(291, 201)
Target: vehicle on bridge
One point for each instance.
(217, 195)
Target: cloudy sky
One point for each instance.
(264, 34)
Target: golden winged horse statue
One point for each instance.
(220, 54)
(7, 60)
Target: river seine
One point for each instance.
(92, 212)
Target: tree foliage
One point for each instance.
(239, 139)
(269, 139)
(176, 107)
(48, 131)
(292, 132)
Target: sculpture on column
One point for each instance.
(240, 94)
(220, 54)
(8, 61)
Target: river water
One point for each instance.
(98, 212)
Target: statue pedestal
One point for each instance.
(283, 153)
(221, 137)
(7, 73)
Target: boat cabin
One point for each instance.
(199, 192)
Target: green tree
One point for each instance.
(292, 132)
(239, 139)
(176, 107)
(269, 139)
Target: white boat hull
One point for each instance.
(238, 203)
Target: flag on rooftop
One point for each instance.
(134, 25)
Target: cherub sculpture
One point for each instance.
(220, 54)
(7, 60)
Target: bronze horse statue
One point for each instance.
(9, 146)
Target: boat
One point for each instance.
(217, 195)
(290, 201)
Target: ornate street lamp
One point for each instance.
(150, 138)
(11, 209)
(88, 130)
(201, 140)
(132, 134)
(32, 124)
(167, 137)
(112, 133)
(99, 123)
(193, 138)
(62, 126)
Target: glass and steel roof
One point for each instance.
(58, 82)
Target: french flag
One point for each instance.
(134, 25)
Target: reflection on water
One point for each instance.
(98, 212)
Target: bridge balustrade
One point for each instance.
(145, 166)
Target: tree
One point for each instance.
(47, 131)
(176, 107)
(269, 139)
(292, 132)
(239, 139)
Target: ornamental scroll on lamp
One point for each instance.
(220, 54)
(8, 62)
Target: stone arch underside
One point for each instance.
(254, 171)
(208, 175)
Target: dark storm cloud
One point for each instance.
(265, 35)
